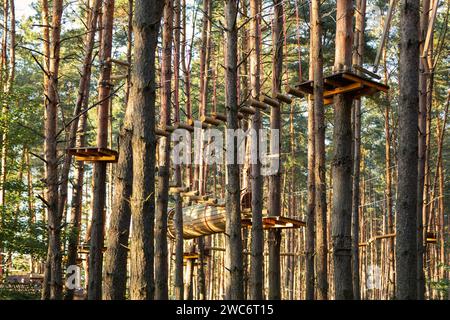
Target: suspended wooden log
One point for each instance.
(199, 220)
(365, 71)
(271, 102)
(189, 194)
(185, 126)
(283, 98)
(119, 77)
(191, 122)
(119, 62)
(202, 219)
(170, 128)
(198, 198)
(257, 104)
(219, 116)
(210, 120)
(247, 110)
(161, 132)
(294, 92)
(210, 202)
(174, 190)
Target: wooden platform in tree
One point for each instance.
(344, 82)
(276, 222)
(94, 154)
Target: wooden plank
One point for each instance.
(111, 159)
(342, 90)
(369, 83)
(365, 71)
(305, 87)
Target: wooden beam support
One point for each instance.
(378, 86)
(341, 90)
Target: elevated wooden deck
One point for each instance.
(344, 82)
(276, 222)
(94, 154)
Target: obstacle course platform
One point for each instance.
(94, 154)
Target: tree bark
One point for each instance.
(422, 128)
(51, 155)
(320, 170)
(406, 228)
(342, 160)
(234, 289)
(99, 188)
(141, 111)
(45, 295)
(311, 190)
(178, 220)
(161, 271)
(275, 179)
(358, 55)
(257, 246)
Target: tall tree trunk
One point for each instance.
(358, 55)
(342, 161)
(141, 112)
(256, 272)
(7, 90)
(311, 188)
(45, 295)
(422, 128)
(178, 219)
(116, 256)
(161, 270)
(406, 240)
(77, 131)
(51, 155)
(275, 178)
(320, 169)
(388, 169)
(233, 241)
(99, 192)
(83, 84)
